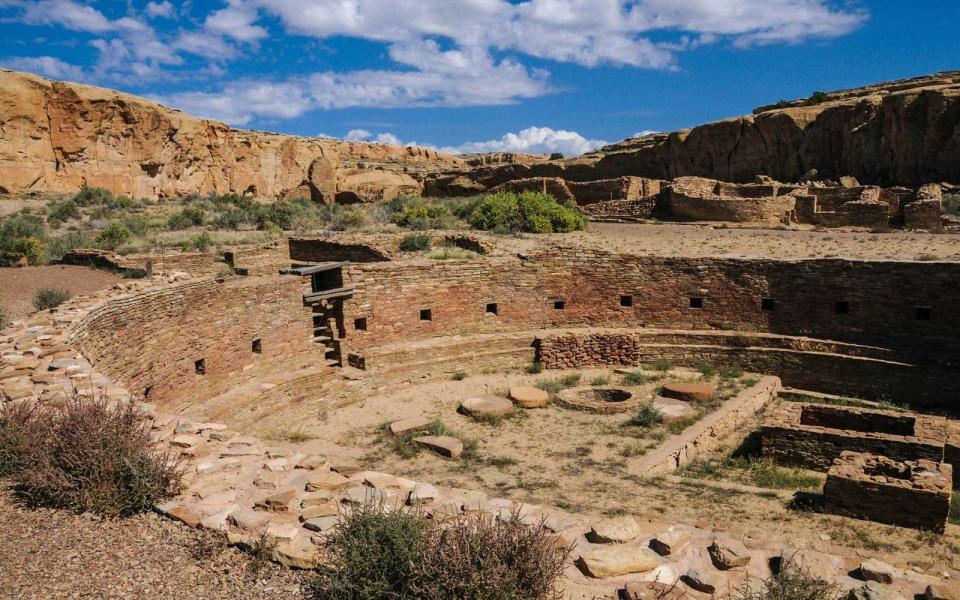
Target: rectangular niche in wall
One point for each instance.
(200, 366)
(921, 313)
(559, 304)
(360, 324)
(767, 304)
(626, 301)
(492, 308)
(842, 307)
(696, 302)
(257, 346)
(426, 314)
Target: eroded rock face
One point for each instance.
(893, 133)
(58, 137)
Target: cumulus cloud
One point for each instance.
(362, 135)
(533, 140)
(159, 9)
(48, 66)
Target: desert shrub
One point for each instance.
(951, 204)
(34, 249)
(415, 242)
(600, 380)
(58, 246)
(113, 236)
(662, 364)
(396, 554)
(90, 455)
(452, 254)
(480, 557)
(92, 196)
(634, 378)
(707, 370)
(189, 216)
(16, 421)
(733, 372)
(16, 228)
(136, 223)
(201, 242)
(123, 203)
(60, 212)
(816, 98)
(46, 298)
(459, 375)
(647, 415)
(372, 553)
(532, 212)
(790, 582)
(349, 218)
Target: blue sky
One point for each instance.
(477, 75)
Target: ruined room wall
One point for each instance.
(153, 338)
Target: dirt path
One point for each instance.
(17, 286)
(57, 554)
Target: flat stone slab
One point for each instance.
(728, 553)
(526, 396)
(444, 445)
(486, 407)
(670, 542)
(406, 425)
(704, 580)
(876, 570)
(614, 531)
(610, 561)
(326, 480)
(691, 392)
(673, 409)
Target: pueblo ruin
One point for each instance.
(681, 417)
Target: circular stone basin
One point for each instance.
(598, 399)
(486, 407)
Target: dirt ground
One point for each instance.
(581, 462)
(671, 239)
(57, 554)
(17, 286)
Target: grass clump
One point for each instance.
(459, 375)
(415, 242)
(396, 554)
(531, 212)
(452, 254)
(648, 415)
(600, 380)
(85, 455)
(707, 370)
(733, 372)
(662, 364)
(552, 386)
(790, 582)
(406, 448)
(535, 367)
(634, 378)
(299, 436)
(760, 472)
(47, 298)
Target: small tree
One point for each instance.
(47, 298)
(113, 236)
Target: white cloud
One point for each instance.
(533, 140)
(362, 135)
(159, 9)
(48, 66)
(236, 21)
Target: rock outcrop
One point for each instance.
(59, 136)
(895, 133)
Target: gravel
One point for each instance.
(57, 554)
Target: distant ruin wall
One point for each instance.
(153, 340)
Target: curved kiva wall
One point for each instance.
(151, 342)
(894, 328)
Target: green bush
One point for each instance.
(951, 204)
(349, 218)
(16, 228)
(34, 249)
(372, 553)
(113, 236)
(396, 554)
(47, 298)
(816, 98)
(201, 242)
(532, 212)
(85, 455)
(60, 212)
(136, 223)
(93, 196)
(414, 212)
(415, 242)
(634, 378)
(188, 217)
(647, 415)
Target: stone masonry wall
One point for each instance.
(909, 494)
(786, 438)
(150, 342)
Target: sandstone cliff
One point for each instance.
(58, 137)
(895, 133)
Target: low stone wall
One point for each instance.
(923, 215)
(609, 190)
(621, 209)
(723, 427)
(823, 365)
(913, 493)
(701, 199)
(813, 435)
(555, 186)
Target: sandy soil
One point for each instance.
(581, 462)
(699, 240)
(17, 286)
(58, 554)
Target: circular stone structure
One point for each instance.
(526, 396)
(599, 399)
(486, 407)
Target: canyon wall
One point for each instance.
(59, 136)
(895, 133)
